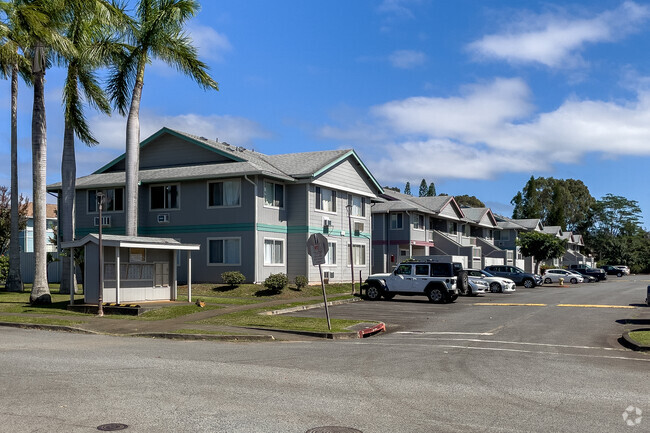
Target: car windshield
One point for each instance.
(487, 274)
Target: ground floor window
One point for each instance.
(224, 251)
(273, 251)
(359, 254)
(161, 276)
(330, 257)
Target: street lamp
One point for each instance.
(349, 209)
(100, 301)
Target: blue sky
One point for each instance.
(475, 96)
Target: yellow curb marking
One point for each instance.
(597, 306)
(510, 305)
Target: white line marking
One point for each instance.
(523, 343)
(443, 333)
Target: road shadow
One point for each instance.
(640, 305)
(633, 321)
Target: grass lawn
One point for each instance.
(39, 320)
(18, 302)
(641, 337)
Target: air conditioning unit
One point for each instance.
(163, 218)
(327, 222)
(358, 227)
(106, 221)
(328, 274)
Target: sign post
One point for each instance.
(317, 248)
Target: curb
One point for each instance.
(202, 337)
(353, 335)
(367, 332)
(632, 344)
(43, 327)
(309, 307)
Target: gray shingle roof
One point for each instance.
(304, 164)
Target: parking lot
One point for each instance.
(550, 316)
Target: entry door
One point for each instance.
(403, 280)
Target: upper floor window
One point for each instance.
(418, 222)
(357, 203)
(396, 221)
(226, 193)
(113, 200)
(325, 199)
(453, 227)
(273, 194)
(165, 197)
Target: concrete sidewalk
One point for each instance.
(173, 328)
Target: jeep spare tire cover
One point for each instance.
(462, 283)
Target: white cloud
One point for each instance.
(211, 44)
(555, 41)
(491, 129)
(407, 59)
(399, 8)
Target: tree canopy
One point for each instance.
(5, 218)
(468, 200)
(542, 246)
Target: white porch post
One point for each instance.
(117, 274)
(174, 277)
(189, 276)
(72, 279)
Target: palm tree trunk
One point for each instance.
(66, 212)
(133, 155)
(40, 290)
(14, 281)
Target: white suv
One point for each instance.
(435, 280)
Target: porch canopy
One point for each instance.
(136, 268)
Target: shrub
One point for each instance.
(233, 278)
(276, 282)
(4, 269)
(301, 281)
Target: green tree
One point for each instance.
(616, 215)
(422, 192)
(157, 32)
(12, 64)
(90, 26)
(542, 246)
(407, 188)
(431, 192)
(467, 200)
(6, 220)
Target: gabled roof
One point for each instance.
(50, 210)
(287, 167)
(553, 230)
(396, 201)
(476, 214)
(530, 224)
(131, 242)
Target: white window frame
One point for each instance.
(207, 255)
(331, 245)
(361, 207)
(284, 251)
(165, 209)
(264, 194)
(401, 227)
(365, 252)
(96, 212)
(208, 196)
(318, 206)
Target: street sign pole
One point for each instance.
(322, 284)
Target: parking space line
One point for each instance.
(442, 333)
(504, 304)
(596, 306)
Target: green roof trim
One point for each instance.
(165, 130)
(356, 157)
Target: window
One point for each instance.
(273, 251)
(418, 222)
(226, 193)
(165, 197)
(453, 227)
(136, 255)
(113, 200)
(403, 270)
(396, 221)
(161, 277)
(224, 251)
(358, 205)
(359, 254)
(422, 270)
(330, 257)
(325, 199)
(273, 194)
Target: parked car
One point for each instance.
(587, 278)
(599, 274)
(477, 286)
(625, 269)
(612, 270)
(415, 277)
(554, 275)
(496, 284)
(517, 275)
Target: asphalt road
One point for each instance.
(440, 368)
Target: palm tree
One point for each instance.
(156, 33)
(13, 63)
(90, 25)
(42, 41)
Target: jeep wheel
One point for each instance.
(373, 293)
(495, 287)
(435, 294)
(463, 284)
(528, 283)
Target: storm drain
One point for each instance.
(114, 426)
(333, 429)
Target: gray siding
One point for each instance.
(347, 174)
(449, 211)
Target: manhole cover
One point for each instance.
(333, 429)
(112, 427)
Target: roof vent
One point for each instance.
(226, 144)
(240, 149)
(203, 138)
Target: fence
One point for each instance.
(28, 264)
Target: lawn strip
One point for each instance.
(39, 320)
(640, 337)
